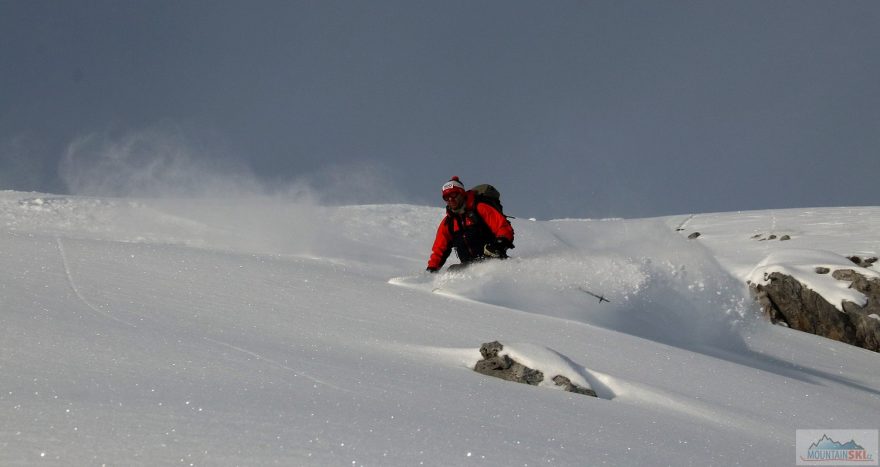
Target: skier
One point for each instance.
(474, 227)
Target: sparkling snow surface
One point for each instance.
(265, 332)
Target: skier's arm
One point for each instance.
(441, 249)
(496, 221)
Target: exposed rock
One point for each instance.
(863, 262)
(867, 328)
(504, 367)
(785, 300)
(571, 387)
(784, 238)
(693, 235)
(822, 270)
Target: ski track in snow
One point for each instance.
(72, 283)
(275, 364)
(685, 222)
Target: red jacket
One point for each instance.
(443, 243)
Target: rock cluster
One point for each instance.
(502, 366)
(764, 237)
(786, 301)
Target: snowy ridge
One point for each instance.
(265, 331)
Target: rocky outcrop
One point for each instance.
(502, 366)
(865, 319)
(786, 301)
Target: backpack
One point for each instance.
(490, 195)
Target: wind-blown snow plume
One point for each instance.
(163, 161)
(353, 183)
(170, 172)
(153, 162)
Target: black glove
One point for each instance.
(432, 270)
(498, 248)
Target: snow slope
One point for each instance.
(270, 332)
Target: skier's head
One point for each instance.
(453, 188)
(453, 194)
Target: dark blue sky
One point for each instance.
(573, 109)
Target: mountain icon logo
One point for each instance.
(828, 443)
